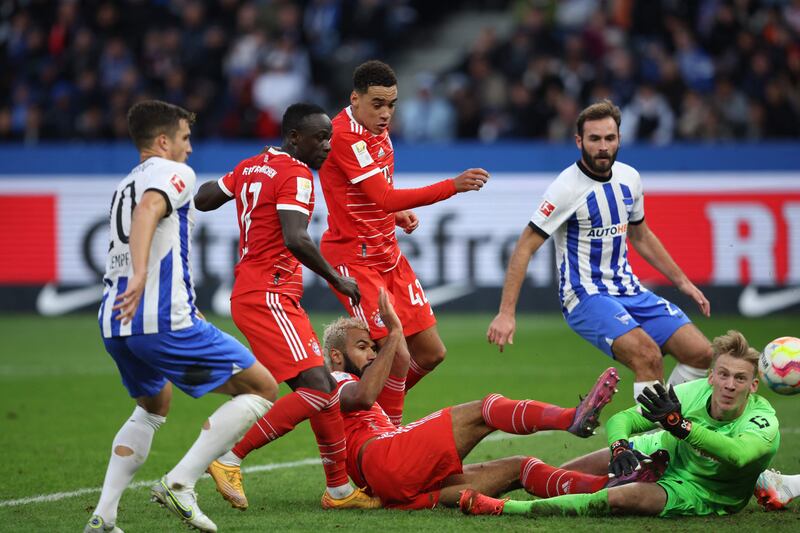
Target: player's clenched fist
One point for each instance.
(471, 180)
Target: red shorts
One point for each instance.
(278, 331)
(406, 468)
(404, 291)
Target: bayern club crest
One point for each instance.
(376, 318)
(315, 347)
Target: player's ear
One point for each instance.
(754, 386)
(354, 98)
(293, 137)
(578, 142)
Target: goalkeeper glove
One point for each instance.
(663, 407)
(623, 461)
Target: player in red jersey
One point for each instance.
(364, 208)
(419, 465)
(274, 195)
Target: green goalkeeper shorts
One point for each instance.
(685, 496)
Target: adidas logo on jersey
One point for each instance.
(381, 153)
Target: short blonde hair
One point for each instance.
(735, 345)
(335, 336)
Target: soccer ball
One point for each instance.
(779, 365)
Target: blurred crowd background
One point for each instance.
(692, 70)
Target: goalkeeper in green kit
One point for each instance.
(718, 433)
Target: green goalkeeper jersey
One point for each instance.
(722, 457)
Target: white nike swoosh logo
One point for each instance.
(447, 293)
(50, 302)
(752, 303)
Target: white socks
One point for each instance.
(639, 386)
(683, 373)
(230, 459)
(221, 431)
(342, 491)
(136, 434)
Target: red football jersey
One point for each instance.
(360, 426)
(358, 230)
(263, 185)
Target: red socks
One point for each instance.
(415, 373)
(523, 417)
(329, 431)
(323, 411)
(287, 412)
(392, 398)
(546, 481)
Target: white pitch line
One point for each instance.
(57, 496)
(139, 484)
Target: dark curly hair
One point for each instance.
(371, 73)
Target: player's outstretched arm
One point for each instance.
(649, 246)
(148, 212)
(501, 330)
(393, 200)
(296, 238)
(210, 196)
(363, 393)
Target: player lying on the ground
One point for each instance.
(774, 491)
(720, 436)
(419, 465)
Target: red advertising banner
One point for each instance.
(28, 239)
(726, 238)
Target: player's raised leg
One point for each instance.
(473, 421)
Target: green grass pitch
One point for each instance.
(61, 402)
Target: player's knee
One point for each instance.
(314, 378)
(122, 451)
(701, 356)
(647, 362)
(433, 357)
(268, 389)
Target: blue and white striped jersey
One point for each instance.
(588, 217)
(168, 302)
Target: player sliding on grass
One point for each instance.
(720, 436)
(153, 330)
(419, 465)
